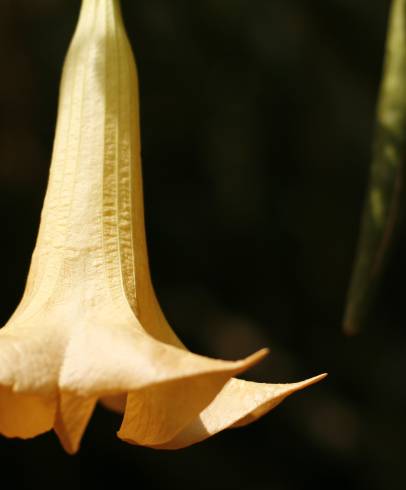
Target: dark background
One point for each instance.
(257, 119)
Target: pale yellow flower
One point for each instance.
(89, 326)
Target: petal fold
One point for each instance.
(72, 416)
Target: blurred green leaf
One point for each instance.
(380, 214)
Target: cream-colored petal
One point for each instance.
(239, 403)
(72, 416)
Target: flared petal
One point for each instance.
(157, 413)
(239, 403)
(107, 359)
(167, 386)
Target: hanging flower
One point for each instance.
(89, 327)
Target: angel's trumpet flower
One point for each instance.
(89, 326)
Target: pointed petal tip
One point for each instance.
(67, 446)
(304, 384)
(315, 379)
(72, 416)
(250, 361)
(256, 356)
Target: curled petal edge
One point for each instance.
(238, 404)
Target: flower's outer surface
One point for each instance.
(89, 326)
